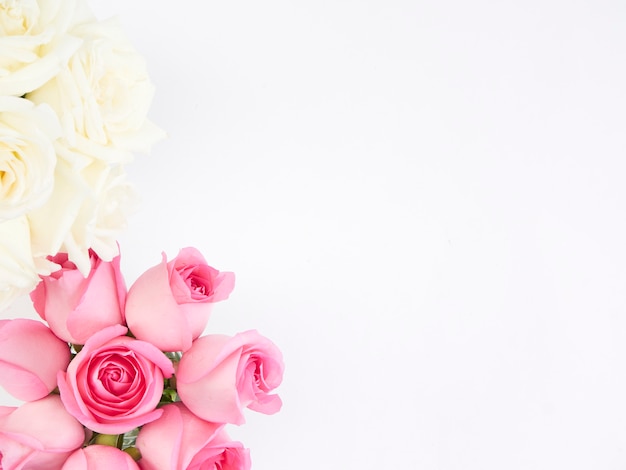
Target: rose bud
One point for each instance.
(179, 440)
(30, 358)
(219, 376)
(169, 305)
(38, 434)
(115, 382)
(75, 306)
(97, 457)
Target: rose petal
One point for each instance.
(100, 457)
(25, 372)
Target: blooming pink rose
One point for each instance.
(97, 457)
(219, 376)
(37, 435)
(75, 306)
(30, 358)
(115, 382)
(179, 440)
(169, 305)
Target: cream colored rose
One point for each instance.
(119, 200)
(102, 217)
(87, 209)
(103, 95)
(33, 41)
(18, 273)
(27, 155)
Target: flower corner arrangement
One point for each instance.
(117, 378)
(110, 377)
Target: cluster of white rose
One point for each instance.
(74, 95)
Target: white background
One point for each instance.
(424, 204)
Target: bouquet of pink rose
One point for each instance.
(125, 379)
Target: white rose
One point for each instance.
(99, 226)
(18, 273)
(103, 95)
(87, 209)
(33, 41)
(27, 155)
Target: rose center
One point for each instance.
(116, 378)
(111, 373)
(258, 370)
(197, 287)
(10, 165)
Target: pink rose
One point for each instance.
(39, 434)
(169, 305)
(76, 307)
(179, 440)
(97, 457)
(115, 382)
(219, 376)
(30, 358)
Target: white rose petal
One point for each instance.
(18, 273)
(51, 223)
(33, 41)
(104, 221)
(27, 155)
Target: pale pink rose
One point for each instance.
(30, 358)
(75, 306)
(38, 435)
(115, 382)
(179, 440)
(219, 376)
(97, 457)
(169, 305)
